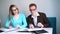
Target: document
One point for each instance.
(7, 30)
(27, 29)
(34, 29)
(23, 29)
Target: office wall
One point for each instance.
(50, 7)
(57, 9)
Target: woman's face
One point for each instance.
(15, 10)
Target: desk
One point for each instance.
(50, 30)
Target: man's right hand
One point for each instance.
(31, 26)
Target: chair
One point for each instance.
(52, 23)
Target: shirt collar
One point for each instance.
(37, 14)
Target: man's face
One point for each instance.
(32, 8)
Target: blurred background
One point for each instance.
(50, 7)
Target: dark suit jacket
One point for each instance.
(42, 18)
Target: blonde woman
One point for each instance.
(15, 19)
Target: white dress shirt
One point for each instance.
(35, 18)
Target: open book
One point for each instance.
(27, 29)
(35, 30)
(24, 30)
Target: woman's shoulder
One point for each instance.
(21, 14)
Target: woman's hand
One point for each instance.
(18, 26)
(31, 26)
(10, 27)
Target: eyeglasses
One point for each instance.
(32, 9)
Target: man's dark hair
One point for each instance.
(32, 4)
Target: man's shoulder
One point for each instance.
(29, 16)
(41, 13)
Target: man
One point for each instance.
(36, 19)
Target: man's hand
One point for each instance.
(40, 24)
(31, 26)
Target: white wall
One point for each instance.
(50, 7)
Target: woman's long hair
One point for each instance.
(11, 12)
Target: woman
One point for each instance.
(15, 18)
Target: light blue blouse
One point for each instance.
(21, 21)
